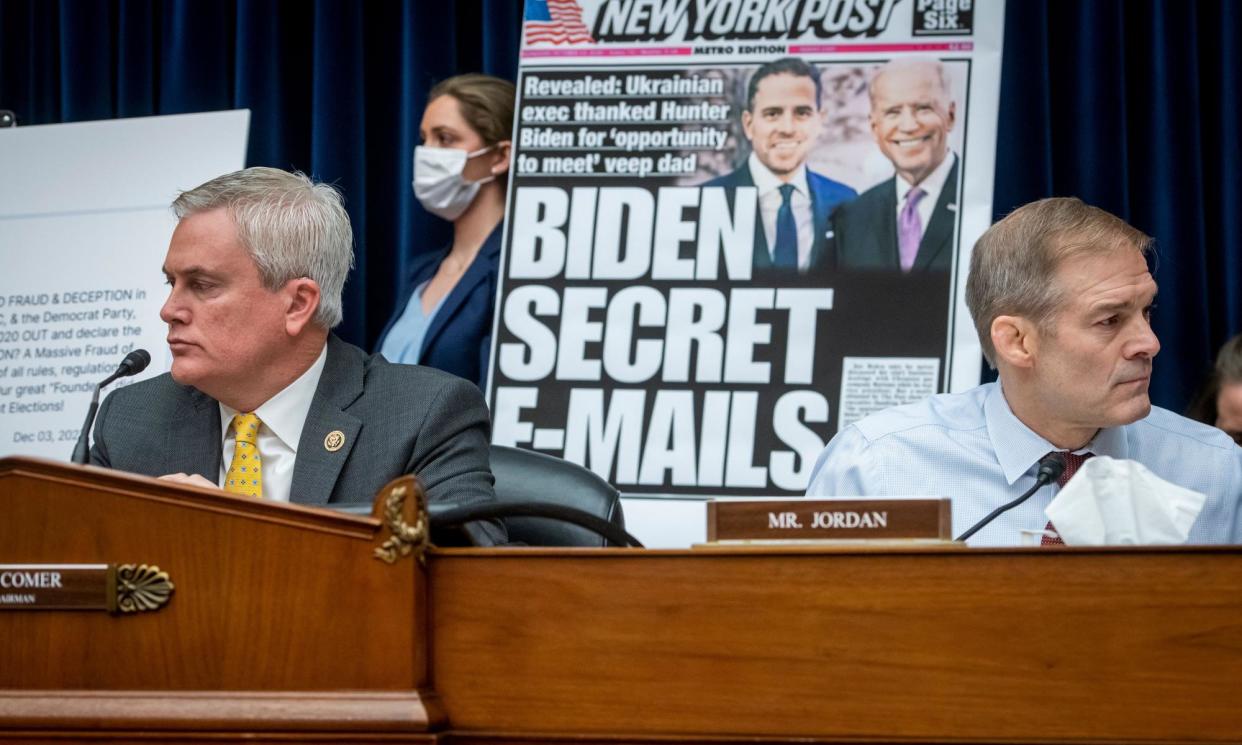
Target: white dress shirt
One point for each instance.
(971, 447)
(283, 417)
(769, 187)
(932, 186)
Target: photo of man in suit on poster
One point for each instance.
(906, 222)
(783, 117)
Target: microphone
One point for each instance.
(134, 363)
(1051, 466)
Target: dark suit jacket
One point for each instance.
(865, 230)
(826, 195)
(397, 419)
(459, 339)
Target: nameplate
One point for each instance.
(124, 588)
(829, 519)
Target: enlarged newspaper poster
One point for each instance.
(736, 227)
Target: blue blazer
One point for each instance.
(826, 195)
(459, 339)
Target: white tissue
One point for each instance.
(1112, 502)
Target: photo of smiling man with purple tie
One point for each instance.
(906, 222)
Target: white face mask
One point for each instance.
(438, 182)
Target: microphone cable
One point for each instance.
(1051, 466)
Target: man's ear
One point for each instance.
(301, 302)
(1016, 340)
(747, 119)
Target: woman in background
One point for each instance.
(443, 317)
(1219, 403)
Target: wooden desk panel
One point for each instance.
(282, 627)
(257, 584)
(920, 644)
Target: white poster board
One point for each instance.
(84, 226)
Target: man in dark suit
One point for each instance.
(262, 399)
(782, 120)
(906, 223)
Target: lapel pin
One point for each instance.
(334, 441)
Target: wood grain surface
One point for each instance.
(284, 629)
(271, 601)
(1069, 645)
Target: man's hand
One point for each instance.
(191, 479)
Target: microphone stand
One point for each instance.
(134, 363)
(1051, 466)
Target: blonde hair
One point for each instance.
(486, 103)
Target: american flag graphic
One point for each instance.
(555, 22)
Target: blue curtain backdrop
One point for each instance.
(1132, 105)
(1129, 105)
(336, 88)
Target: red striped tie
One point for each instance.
(1072, 463)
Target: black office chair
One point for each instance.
(525, 476)
(542, 500)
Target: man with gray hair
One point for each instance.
(905, 224)
(263, 400)
(1061, 296)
